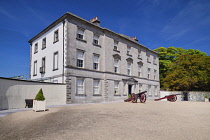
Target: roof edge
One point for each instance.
(70, 14)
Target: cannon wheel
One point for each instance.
(172, 99)
(143, 98)
(134, 98)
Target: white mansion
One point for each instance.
(96, 63)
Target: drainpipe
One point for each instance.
(63, 51)
(30, 60)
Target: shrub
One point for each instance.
(40, 96)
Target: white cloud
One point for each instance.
(7, 14)
(188, 20)
(34, 12)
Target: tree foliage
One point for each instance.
(188, 72)
(182, 69)
(40, 96)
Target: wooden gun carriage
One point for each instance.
(171, 98)
(134, 97)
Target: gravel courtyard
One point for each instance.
(112, 121)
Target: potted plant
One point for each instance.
(39, 103)
(206, 98)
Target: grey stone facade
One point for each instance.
(101, 65)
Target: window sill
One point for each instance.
(55, 41)
(43, 48)
(35, 52)
(129, 55)
(140, 58)
(81, 95)
(35, 75)
(80, 67)
(97, 45)
(116, 50)
(55, 69)
(97, 95)
(81, 40)
(117, 95)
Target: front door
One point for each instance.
(185, 94)
(129, 89)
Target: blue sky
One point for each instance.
(156, 23)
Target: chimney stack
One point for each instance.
(95, 21)
(134, 38)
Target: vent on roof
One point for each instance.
(134, 38)
(95, 21)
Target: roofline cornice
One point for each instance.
(70, 15)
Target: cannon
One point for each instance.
(134, 97)
(171, 98)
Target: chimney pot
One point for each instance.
(134, 38)
(95, 21)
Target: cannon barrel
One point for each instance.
(141, 92)
(172, 95)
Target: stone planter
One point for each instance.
(39, 105)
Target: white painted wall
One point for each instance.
(14, 92)
(48, 53)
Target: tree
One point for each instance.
(169, 55)
(40, 96)
(188, 72)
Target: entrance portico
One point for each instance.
(130, 85)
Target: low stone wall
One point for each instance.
(14, 92)
(190, 95)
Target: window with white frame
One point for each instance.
(149, 90)
(140, 88)
(155, 73)
(43, 67)
(148, 73)
(129, 68)
(116, 87)
(44, 43)
(115, 45)
(96, 39)
(140, 71)
(155, 60)
(55, 61)
(156, 92)
(96, 86)
(80, 33)
(148, 58)
(80, 86)
(128, 49)
(56, 36)
(96, 62)
(139, 53)
(116, 62)
(35, 68)
(36, 48)
(80, 58)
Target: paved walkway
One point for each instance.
(10, 111)
(112, 121)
